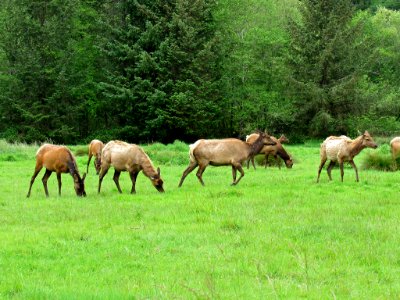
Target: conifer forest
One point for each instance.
(165, 70)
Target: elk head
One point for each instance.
(157, 181)
(266, 138)
(367, 140)
(283, 139)
(79, 185)
(289, 163)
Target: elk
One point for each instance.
(275, 150)
(223, 152)
(95, 148)
(342, 149)
(395, 147)
(131, 158)
(57, 159)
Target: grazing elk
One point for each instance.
(341, 149)
(57, 159)
(274, 150)
(395, 147)
(95, 148)
(131, 158)
(223, 153)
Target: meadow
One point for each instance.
(277, 234)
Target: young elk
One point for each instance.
(223, 153)
(95, 148)
(57, 159)
(131, 158)
(274, 150)
(341, 149)
(395, 147)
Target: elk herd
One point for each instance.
(131, 158)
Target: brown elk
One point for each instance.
(131, 158)
(342, 149)
(95, 148)
(223, 153)
(274, 150)
(57, 159)
(395, 147)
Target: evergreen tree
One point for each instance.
(46, 59)
(163, 80)
(328, 55)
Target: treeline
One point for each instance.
(160, 70)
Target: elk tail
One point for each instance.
(191, 149)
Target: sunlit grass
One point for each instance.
(277, 234)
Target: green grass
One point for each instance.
(277, 234)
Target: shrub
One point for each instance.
(171, 154)
(80, 151)
(380, 159)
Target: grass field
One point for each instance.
(277, 234)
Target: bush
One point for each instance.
(80, 151)
(382, 126)
(171, 154)
(380, 159)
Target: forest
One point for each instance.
(163, 70)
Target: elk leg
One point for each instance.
(248, 163)
(266, 160)
(37, 170)
(321, 165)
(330, 167)
(59, 183)
(238, 167)
(90, 158)
(103, 173)
(44, 180)
(189, 169)
(199, 173)
(233, 174)
(252, 162)
(341, 169)
(133, 176)
(355, 168)
(116, 180)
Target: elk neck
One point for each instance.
(73, 169)
(148, 168)
(256, 147)
(283, 154)
(356, 146)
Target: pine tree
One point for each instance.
(44, 49)
(163, 80)
(327, 58)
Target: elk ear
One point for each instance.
(158, 171)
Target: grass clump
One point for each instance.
(171, 154)
(380, 159)
(16, 151)
(80, 150)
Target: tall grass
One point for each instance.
(16, 151)
(380, 159)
